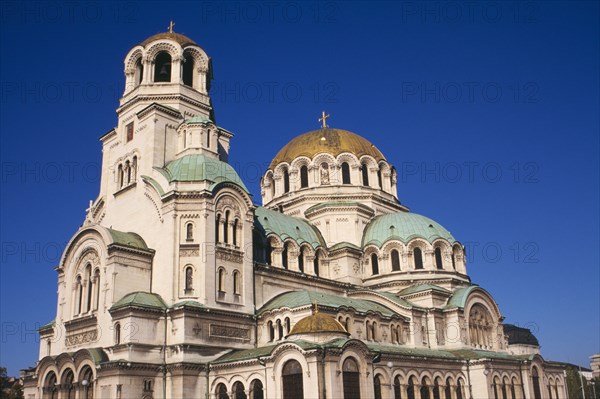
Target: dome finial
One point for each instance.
(323, 119)
(171, 25)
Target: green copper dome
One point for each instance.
(198, 167)
(404, 226)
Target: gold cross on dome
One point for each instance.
(323, 119)
(171, 25)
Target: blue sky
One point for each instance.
(489, 111)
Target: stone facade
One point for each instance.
(178, 286)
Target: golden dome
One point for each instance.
(179, 38)
(318, 323)
(331, 141)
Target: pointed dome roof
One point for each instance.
(331, 141)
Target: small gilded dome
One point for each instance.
(331, 141)
(318, 323)
(177, 37)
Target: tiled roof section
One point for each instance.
(344, 244)
(48, 325)
(283, 226)
(520, 335)
(331, 204)
(400, 350)
(128, 239)
(140, 300)
(197, 167)
(296, 299)
(403, 226)
(188, 304)
(331, 141)
(409, 351)
(459, 297)
(394, 298)
(414, 289)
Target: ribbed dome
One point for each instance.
(318, 323)
(404, 226)
(331, 141)
(179, 38)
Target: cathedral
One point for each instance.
(177, 285)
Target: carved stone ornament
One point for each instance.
(82, 338)
(220, 331)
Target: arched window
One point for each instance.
(495, 385)
(218, 228)
(293, 383)
(284, 256)
(504, 392)
(448, 389)
(238, 391)
(418, 257)
(287, 325)
(97, 286)
(235, 232)
(424, 389)
(134, 167)
(88, 275)
(379, 178)
(436, 389)
(555, 390)
(453, 261)
(79, 294)
(280, 333)
(374, 331)
(513, 393)
(351, 379)
(410, 390)
(286, 181)
(377, 387)
(189, 232)
(374, 264)
(226, 228)
(395, 260)
(369, 331)
(537, 392)
(256, 390)
(221, 280)
(397, 388)
(188, 70)
(67, 384)
(236, 282)
(316, 264)
(120, 176)
(271, 331)
(269, 253)
(365, 174)
(86, 380)
(304, 176)
(162, 67)
(128, 172)
(117, 333)
(346, 173)
(459, 389)
(272, 187)
(49, 388)
(481, 327)
(139, 71)
(221, 391)
(208, 133)
(301, 260)
(189, 279)
(438, 258)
